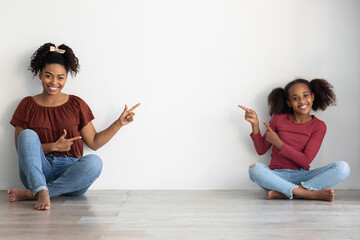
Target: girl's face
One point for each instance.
(53, 78)
(300, 99)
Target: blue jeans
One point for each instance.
(285, 180)
(58, 175)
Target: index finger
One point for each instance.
(267, 126)
(134, 107)
(244, 108)
(75, 138)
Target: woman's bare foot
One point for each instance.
(324, 194)
(42, 197)
(43, 200)
(18, 194)
(275, 195)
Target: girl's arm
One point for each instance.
(96, 140)
(252, 118)
(261, 145)
(272, 137)
(305, 157)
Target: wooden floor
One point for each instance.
(172, 215)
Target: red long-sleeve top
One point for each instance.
(301, 142)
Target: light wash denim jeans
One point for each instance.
(58, 175)
(285, 180)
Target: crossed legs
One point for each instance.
(286, 183)
(44, 178)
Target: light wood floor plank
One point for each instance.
(185, 215)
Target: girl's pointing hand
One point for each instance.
(272, 137)
(250, 115)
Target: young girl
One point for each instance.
(296, 137)
(50, 129)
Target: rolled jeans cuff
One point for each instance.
(291, 195)
(40, 188)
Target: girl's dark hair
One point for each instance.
(44, 56)
(322, 89)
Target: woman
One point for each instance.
(50, 129)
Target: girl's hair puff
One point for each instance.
(44, 56)
(277, 102)
(324, 94)
(322, 90)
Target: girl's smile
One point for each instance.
(300, 100)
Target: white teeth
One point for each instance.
(303, 106)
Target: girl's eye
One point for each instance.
(295, 98)
(306, 95)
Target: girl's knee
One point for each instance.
(252, 165)
(343, 168)
(257, 165)
(256, 169)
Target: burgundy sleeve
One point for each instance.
(86, 114)
(260, 143)
(21, 116)
(304, 158)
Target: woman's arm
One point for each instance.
(61, 145)
(18, 130)
(96, 140)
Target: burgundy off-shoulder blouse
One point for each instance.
(49, 122)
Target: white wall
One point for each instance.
(189, 62)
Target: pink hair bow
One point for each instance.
(56, 49)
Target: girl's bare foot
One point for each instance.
(326, 194)
(17, 194)
(43, 200)
(275, 195)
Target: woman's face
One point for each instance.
(53, 78)
(300, 99)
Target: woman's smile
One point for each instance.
(53, 78)
(53, 88)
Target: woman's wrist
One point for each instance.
(117, 124)
(48, 147)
